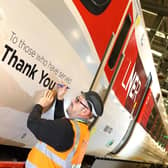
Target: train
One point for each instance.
(89, 45)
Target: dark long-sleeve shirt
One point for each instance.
(57, 133)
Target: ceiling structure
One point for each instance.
(156, 20)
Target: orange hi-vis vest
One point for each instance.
(45, 156)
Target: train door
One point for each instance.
(118, 77)
(109, 30)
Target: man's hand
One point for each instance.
(47, 99)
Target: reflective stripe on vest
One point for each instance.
(76, 166)
(28, 164)
(71, 154)
(64, 163)
(43, 148)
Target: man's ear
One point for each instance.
(85, 111)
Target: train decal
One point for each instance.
(99, 45)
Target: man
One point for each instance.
(62, 141)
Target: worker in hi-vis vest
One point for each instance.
(62, 141)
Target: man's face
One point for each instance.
(76, 106)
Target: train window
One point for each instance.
(96, 7)
(161, 135)
(150, 122)
(160, 132)
(159, 127)
(155, 127)
(157, 97)
(120, 41)
(154, 112)
(162, 140)
(151, 119)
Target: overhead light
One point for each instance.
(156, 53)
(152, 13)
(90, 60)
(2, 14)
(156, 64)
(75, 33)
(160, 34)
(148, 29)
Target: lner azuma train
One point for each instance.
(88, 44)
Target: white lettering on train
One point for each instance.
(46, 81)
(30, 70)
(19, 64)
(22, 44)
(133, 85)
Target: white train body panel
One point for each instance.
(59, 41)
